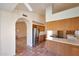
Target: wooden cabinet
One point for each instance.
(62, 49)
(41, 38)
(75, 50)
(39, 27)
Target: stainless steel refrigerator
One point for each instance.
(35, 36)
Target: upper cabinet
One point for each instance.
(39, 27)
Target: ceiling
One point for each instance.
(21, 6)
(7, 6)
(38, 8)
(58, 7)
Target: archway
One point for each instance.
(21, 35)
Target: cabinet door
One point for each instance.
(41, 38)
(60, 34)
(41, 28)
(75, 50)
(67, 50)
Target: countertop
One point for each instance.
(65, 41)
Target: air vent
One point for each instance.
(24, 15)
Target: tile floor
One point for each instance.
(44, 49)
(20, 44)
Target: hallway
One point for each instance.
(21, 36)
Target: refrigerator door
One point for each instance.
(34, 36)
(37, 36)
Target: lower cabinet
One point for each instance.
(63, 49)
(75, 50)
(41, 38)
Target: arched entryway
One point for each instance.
(21, 35)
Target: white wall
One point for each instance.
(0, 33)
(73, 12)
(29, 34)
(7, 34)
(7, 30)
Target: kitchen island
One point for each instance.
(64, 47)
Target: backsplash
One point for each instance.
(62, 34)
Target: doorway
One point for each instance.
(21, 41)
